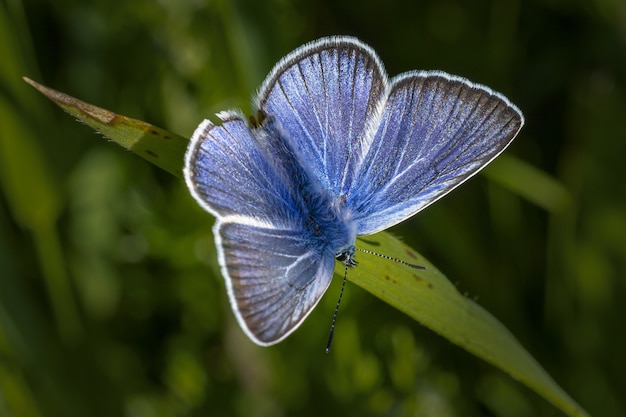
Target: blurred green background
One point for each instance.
(111, 302)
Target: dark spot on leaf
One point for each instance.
(152, 154)
(392, 280)
(156, 132)
(115, 120)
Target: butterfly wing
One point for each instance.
(229, 172)
(435, 132)
(275, 270)
(274, 276)
(323, 95)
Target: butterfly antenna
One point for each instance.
(332, 326)
(390, 258)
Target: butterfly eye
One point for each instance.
(346, 257)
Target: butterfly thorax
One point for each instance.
(330, 221)
(326, 217)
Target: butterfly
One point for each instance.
(339, 150)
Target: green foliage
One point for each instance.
(110, 299)
(427, 296)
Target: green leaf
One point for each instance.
(158, 146)
(431, 299)
(425, 295)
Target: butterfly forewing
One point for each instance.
(323, 95)
(435, 132)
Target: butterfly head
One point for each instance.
(346, 256)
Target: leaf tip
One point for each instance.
(69, 103)
(33, 83)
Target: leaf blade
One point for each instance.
(158, 146)
(430, 298)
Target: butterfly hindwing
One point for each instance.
(229, 172)
(275, 269)
(435, 132)
(275, 276)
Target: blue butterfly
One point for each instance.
(339, 151)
